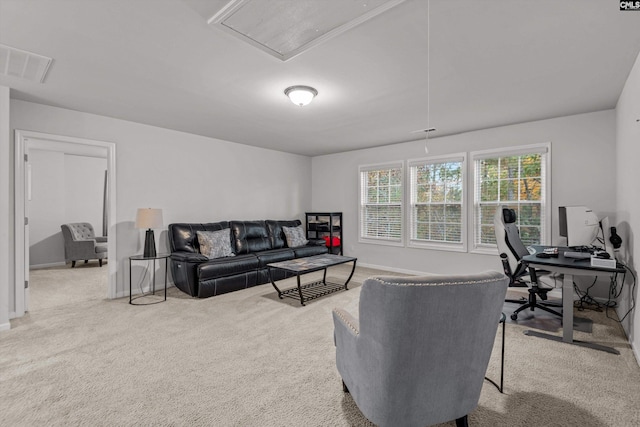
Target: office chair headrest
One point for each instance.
(509, 216)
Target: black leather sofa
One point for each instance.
(255, 244)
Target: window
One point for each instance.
(381, 202)
(518, 179)
(437, 214)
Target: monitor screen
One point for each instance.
(579, 225)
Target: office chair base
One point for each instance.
(532, 303)
(514, 315)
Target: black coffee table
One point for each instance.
(301, 266)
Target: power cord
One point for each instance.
(586, 299)
(614, 293)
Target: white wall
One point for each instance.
(192, 178)
(6, 239)
(64, 188)
(628, 179)
(583, 161)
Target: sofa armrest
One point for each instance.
(188, 257)
(316, 242)
(101, 239)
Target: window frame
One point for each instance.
(410, 219)
(379, 240)
(542, 148)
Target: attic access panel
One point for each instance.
(22, 64)
(287, 28)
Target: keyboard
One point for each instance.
(577, 255)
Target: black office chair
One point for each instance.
(511, 251)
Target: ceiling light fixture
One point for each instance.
(301, 95)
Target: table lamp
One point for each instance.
(149, 218)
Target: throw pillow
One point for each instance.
(295, 236)
(215, 244)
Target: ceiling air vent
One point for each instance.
(286, 28)
(22, 64)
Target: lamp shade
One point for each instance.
(149, 218)
(300, 95)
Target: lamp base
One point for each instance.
(149, 245)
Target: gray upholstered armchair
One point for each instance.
(81, 243)
(418, 353)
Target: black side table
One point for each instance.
(152, 279)
(501, 386)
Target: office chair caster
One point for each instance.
(514, 317)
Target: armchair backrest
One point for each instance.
(425, 343)
(78, 231)
(508, 239)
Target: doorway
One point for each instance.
(26, 141)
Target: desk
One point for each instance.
(569, 267)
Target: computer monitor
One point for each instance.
(606, 236)
(579, 225)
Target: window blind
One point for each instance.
(381, 201)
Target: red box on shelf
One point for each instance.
(333, 242)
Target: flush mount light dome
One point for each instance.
(300, 95)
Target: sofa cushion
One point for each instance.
(276, 234)
(250, 236)
(215, 244)
(274, 255)
(228, 266)
(310, 250)
(183, 238)
(295, 236)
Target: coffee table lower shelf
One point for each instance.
(301, 266)
(312, 290)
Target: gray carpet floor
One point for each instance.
(250, 359)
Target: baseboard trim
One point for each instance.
(392, 269)
(48, 265)
(636, 353)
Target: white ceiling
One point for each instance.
(493, 62)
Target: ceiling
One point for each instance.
(490, 63)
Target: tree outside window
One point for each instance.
(437, 201)
(517, 181)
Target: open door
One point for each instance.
(24, 141)
(27, 192)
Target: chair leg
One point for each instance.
(344, 387)
(73, 264)
(462, 422)
(100, 261)
(86, 261)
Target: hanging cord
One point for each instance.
(426, 142)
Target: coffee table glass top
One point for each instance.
(312, 263)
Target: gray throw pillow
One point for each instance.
(215, 244)
(295, 236)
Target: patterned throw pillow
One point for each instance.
(215, 244)
(295, 236)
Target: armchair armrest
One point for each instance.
(182, 256)
(345, 323)
(101, 239)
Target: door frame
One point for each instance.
(21, 137)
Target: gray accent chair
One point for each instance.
(81, 243)
(418, 353)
